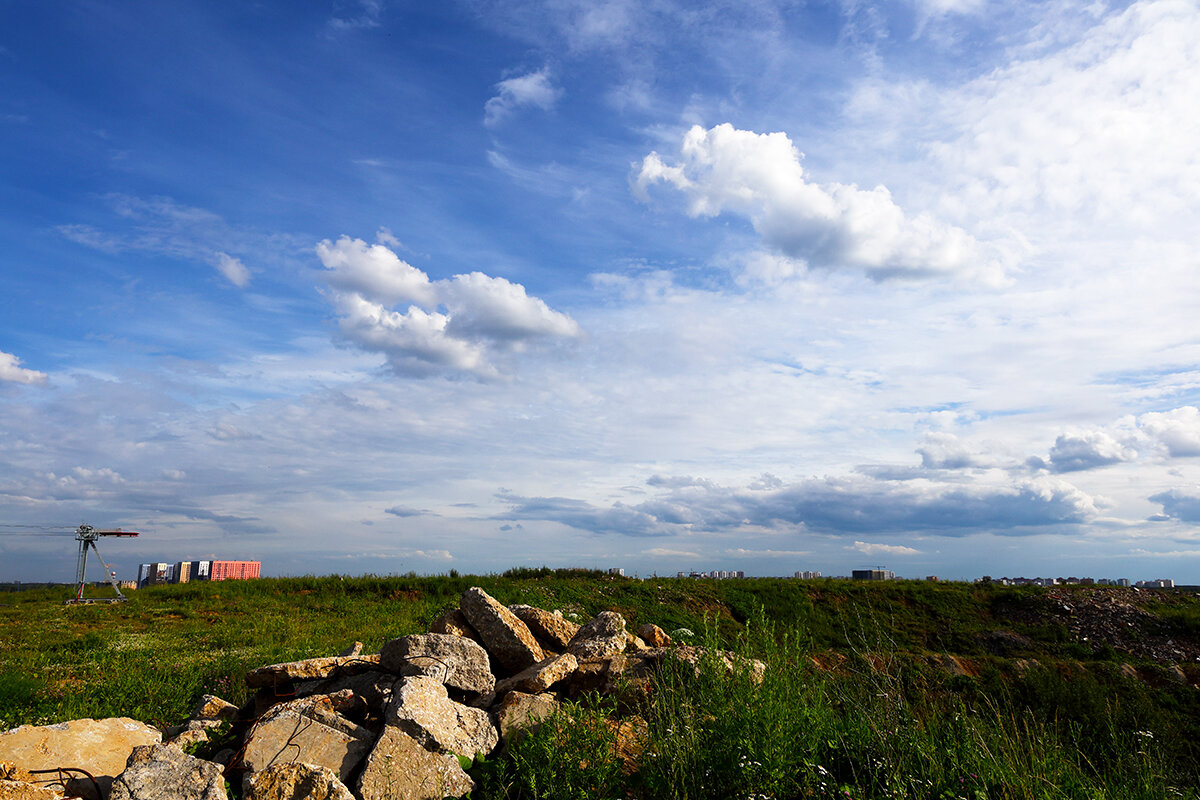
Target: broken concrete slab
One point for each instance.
(309, 669)
(551, 629)
(100, 746)
(287, 736)
(162, 772)
(399, 768)
(296, 781)
(457, 662)
(539, 677)
(423, 710)
(509, 641)
(601, 637)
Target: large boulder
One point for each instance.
(540, 677)
(296, 781)
(423, 710)
(310, 731)
(603, 636)
(161, 772)
(100, 746)
(508, 640)
(399, 768)
(552, 631)
(457, 662)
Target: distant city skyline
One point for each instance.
(375, 287)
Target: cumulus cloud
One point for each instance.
(12, 371)
(1178, 505)
(533, 89)
(1178, 430)
(233, 269)
(1088, 450)
(466, 319)
(829, 505)
(946, 451)
(834, 225)
(875, 549)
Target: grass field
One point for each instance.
(872, 691)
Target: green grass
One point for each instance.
(880, 717)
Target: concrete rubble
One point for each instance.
(356, 726)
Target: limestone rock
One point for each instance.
(552, 631)
(353, 651)
(213, 707)
(520, 712)
(399, 768)
(633, 642)
(314, 735)
(23, 790)
(454, 623)
(187, 738)
(654, 636)
(508, 640)
(296, 781)
(601, 637)
(540, 677)
(309, 669)
(424, 711)
(100, 746)
(456, 661)
(161, 772)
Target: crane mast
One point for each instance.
(86, 535)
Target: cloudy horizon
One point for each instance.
(375, 287)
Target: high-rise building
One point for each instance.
(234, 570)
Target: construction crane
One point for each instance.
(86, 535)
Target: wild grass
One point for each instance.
(854, 703)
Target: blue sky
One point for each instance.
(371, 286)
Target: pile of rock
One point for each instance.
(391, 725)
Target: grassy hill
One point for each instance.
(899, 689)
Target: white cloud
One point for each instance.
(831, 225)
(374, 271)
(1178, 430)
(483, 316)
(233, 270)
(946, 451)
(1087, 450)
(12, 371)
(874, 549)
(532, 89)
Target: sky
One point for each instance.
(375, 286)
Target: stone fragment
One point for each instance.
(635, 643)
(309, 669)
(328, 709)
(540, 677)
(654, 636)
(296, 781)
(552, 631)
(188, 738)
(399, 768)
(213, 707)
(454, 622)
(24, 790)
(456, 661)
(314, 735)
(521, 712)
(424, 711)
(601, 637)
(508, 640)
(100, 746)
(596, 675)
(161, 772)
(352, 651)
